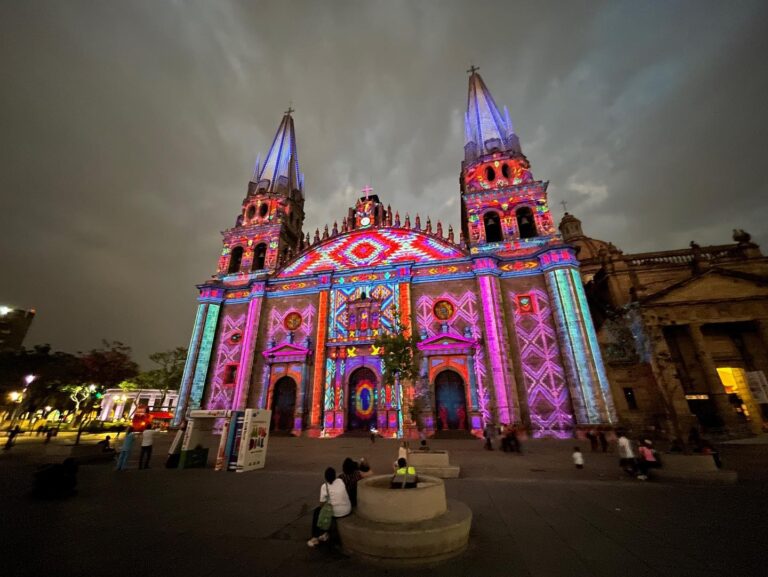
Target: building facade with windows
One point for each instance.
(684, 333)
(289, 322)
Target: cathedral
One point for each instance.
(290, 322)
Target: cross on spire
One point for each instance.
(367, 190)
(565, 205)
(473, 69)
(290, 108)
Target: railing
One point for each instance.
(685, 256)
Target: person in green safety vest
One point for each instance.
(405, 477)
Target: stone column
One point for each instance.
(316, 398)
(714, 386)
(245, 369)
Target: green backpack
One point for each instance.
(325, 518)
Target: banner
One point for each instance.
(255, 436)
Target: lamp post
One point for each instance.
(18, 398)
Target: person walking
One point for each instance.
(578, 458)
(147, 440)
(334, 492)
(603, 441)
(626, 454)
(647, 459)
(12, 433)
(125, 450)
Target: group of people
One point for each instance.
(509, 435)
(637, 463)
(145, 454)
(340, 493)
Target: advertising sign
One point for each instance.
(254, 439)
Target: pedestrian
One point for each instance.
(335, 494)
(364, 468)
(125, 450)
(12, 433)
(50, 432)
(374, 432)
(626, 454)
(578, 458)
(603, 441)
(350, 475)
(488, 436)
(514, 439)
(147, 440)
(592, 438)
(648, 459)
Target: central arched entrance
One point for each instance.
(450, 398)
(361, 405)
(283, 404)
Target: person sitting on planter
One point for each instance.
(405, 477)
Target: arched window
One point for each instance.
(525, 223)
(490, 174)
(505, 170)
(263, 210)
(234, 260)
(251, 212)
(492, 227)
(259, 256)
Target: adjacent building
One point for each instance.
(14, 324)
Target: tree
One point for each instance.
(78, 394)
(109, 365)
(399, 353)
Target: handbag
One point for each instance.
(325, 518)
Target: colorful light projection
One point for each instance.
(590, 390)
(249, 341)
(372, 247)
(492, 316)
(320, 340)
(280, 320)
(544, 378)
(204, 356)
(186, 379)
(345, 326)
(498, 173)
(227, 362)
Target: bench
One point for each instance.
(435, 463)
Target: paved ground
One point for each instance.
(534, 515)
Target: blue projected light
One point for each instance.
(206, 344)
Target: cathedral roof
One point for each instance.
(280, 169)
(487, 130)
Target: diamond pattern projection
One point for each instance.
(545, 384)
(372, 247)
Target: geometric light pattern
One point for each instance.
(545, 384)
(372, 247)
(227, 353)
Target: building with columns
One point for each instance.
(684, 333)
(118, 404)
(289, 321)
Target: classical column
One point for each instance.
(204, 356)
(587, 381)
(714, 385)
(186, 379)
(493, 320)
(245, 369)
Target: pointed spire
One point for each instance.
(397, 219)
(335, 229)
(439, 229)
(407, 220)
(417, 222)
(486, 129)
(281, 165)
(344, 225)
(429, 225)
(317, 236)
(308, 242)
(325, 232)
(450, 233)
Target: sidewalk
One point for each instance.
(534, 515)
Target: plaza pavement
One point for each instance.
(534, 515)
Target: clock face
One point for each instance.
(365, 221)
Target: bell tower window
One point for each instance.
(492, 227)
(525, 222)
(251, 212)
(259, 256)
(235, 259)
(263, 210)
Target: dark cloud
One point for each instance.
(129, 130)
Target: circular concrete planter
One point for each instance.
(376, 501)
(405, 526)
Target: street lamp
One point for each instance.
(15, 396)
(29, 378)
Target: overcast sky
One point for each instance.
(128, 131)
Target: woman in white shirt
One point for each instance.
(332, 490)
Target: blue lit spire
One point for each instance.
(280, 170)
(487, 130)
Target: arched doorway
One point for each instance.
(450, 399)
(283, 404)
(361, 405)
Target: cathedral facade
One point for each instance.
(289, 323)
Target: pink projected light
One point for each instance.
(493, 335)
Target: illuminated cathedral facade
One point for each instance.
(289, 322)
